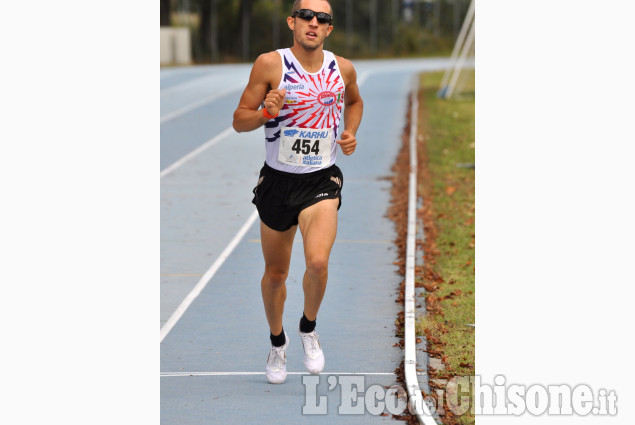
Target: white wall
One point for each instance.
(176, 46)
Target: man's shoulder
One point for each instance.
(344, 63)
(268, 59)
(346, 68)
(267, 68)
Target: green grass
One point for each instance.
(448, 130)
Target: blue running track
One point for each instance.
(213, 357)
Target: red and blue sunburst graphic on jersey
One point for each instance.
(312, 100)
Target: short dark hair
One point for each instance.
(296, 6)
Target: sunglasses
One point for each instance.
(308, 14)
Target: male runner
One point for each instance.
(299, 95)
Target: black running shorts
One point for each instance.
(280, 196)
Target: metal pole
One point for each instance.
(460, 62)
(467, 23)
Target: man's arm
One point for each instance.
(354, 107)
(247, 116)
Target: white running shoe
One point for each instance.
(276, 369)
(313, 355)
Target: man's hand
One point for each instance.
(348, 142)
(274, 101)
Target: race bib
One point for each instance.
(305, 147)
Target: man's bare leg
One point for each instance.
(276, 249)
(318, 224)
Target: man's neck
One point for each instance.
(311, 60)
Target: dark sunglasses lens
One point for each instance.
(305, 14)
(308, 14)
(323, 18)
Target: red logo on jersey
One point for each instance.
(326, 98)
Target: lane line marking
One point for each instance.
(410, 355)
(179, 374)
(193, 81)
(209, 274)
(211, 142)
(209, 99)
(362, 78)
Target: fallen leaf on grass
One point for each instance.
(430, 287)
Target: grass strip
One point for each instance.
(446, 183)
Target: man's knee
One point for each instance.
(275, 277)
(317, 265)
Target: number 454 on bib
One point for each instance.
(305, 147)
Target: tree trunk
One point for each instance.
(245, 6)
(165, 13)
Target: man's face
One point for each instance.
(310, 34)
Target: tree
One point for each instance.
(165, 13)
(245, 13)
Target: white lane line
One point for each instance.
(209, 274)
(198, 104)
(420, 408)
(211, 142)
(362, 78)
(178, 374)
(191, 82)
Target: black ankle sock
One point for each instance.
(306, 325)
(277, 340)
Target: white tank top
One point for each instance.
(301, 139)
